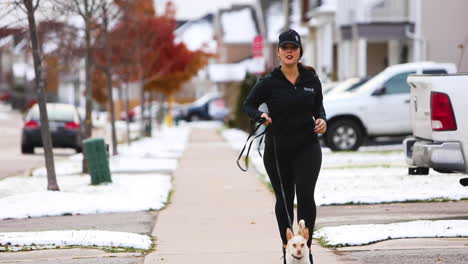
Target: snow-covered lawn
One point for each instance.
(371, 175)
(137, 182)
(23, 197)
(19, 240)
(155, 154)
(354, 235)
(141, 180)
(4, 111)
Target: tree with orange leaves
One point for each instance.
(144, 50)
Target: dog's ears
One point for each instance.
(305, 233)
(301, 227)
(289, 234)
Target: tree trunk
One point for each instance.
(142, 107)
(161, 113)
(88, 66)
(127, 111)
(45, 132)
(109, 79)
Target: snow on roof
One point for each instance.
(188, 10)
(23, 70)
(232, 72)
(275, 20)
(296, 23)
(5, 41)
(197, 34)
(238, 26)
(228, 72)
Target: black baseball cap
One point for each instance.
(289, 36)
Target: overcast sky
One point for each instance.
(189, 9)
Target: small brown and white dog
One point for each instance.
(297, 251)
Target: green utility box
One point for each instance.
(98, 161)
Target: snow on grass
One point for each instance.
(380, 185)
(375, 175)
(353, 235)
(77, 238)
(137, 182)
(23, 197)
(155, 154)
(5, 111)
(363, 159)
(118, 164)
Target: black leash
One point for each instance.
(276, 160)
(281, 183)
(250, 145)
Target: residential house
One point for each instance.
(235, 28)
(197, 34)
(363, 37)
(272, 14)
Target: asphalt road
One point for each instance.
(12, 161)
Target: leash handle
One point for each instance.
(262, 120)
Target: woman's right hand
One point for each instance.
(267, 118)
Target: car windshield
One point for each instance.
(55, 113)
(343, 86)
(357, 85)
(371, 83)
(205, 98)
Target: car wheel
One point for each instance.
(418, 171)
(443, 170)
(194, 118)
(344, 135)
(78, 149)
(27, 149)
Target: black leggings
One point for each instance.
(299, 169)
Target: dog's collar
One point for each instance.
(296, 257)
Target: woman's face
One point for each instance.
(289, 54)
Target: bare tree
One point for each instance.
(89, 12)
(108, 72)
(41, 96)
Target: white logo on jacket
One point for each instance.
(309, 89)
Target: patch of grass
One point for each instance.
(106, 249)
(154, 242)
(324, 242)
(269, 186)
(433, 200)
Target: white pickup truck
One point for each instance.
(439, 117)
(379, 107)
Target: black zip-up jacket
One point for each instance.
(292, 107)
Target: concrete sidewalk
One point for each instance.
(219, 213)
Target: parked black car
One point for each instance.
(64, 125)
(208, 107)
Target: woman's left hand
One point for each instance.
(320, 126)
